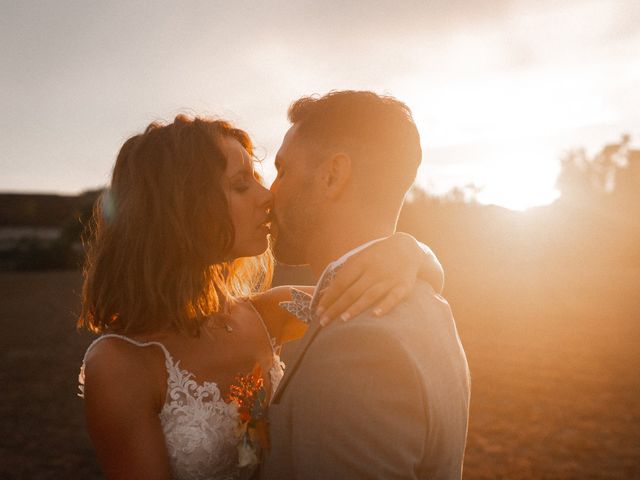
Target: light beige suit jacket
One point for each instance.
(373, 398)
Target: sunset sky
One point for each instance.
(499, 89)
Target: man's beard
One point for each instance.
(294, 224)
(288, 248)
(291, 236)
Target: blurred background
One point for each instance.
(529, 193)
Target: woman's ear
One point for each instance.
(336, 174)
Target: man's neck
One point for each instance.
(341, 239)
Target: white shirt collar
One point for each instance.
(341, 260)
(352, 252)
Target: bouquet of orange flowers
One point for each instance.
(250, 396)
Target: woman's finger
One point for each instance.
(396, 295)
(364, 287)
(365, 302)
(346, 277)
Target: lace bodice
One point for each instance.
(199, 426)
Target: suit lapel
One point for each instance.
(290, 369)
(310, 334)
(314, 325)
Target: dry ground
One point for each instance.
(555, 373)
(42, 426)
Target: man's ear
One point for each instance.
(336, 175)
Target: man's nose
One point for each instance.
(266, 199)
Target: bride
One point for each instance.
(175, 280)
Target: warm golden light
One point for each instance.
(520, 182)
(501, 129)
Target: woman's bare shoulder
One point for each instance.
(114, 364)
(115, 351)
(282, 325)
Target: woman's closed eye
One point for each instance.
(241, 183)
(241, 187)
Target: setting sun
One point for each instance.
(519, 181)
(505, 128)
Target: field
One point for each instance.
(42, 426)
(555, 376)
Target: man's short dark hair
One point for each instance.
(377, 130)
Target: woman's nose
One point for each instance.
(266, 197)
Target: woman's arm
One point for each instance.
(122, 403)
(282, 325)
(380, 276)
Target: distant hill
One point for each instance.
(42, 210)
(42, 231)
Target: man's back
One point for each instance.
(376, 398)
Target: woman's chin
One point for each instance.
(251, 251)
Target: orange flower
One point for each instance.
(249, 394)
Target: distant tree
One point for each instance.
(627, 179)
(466, 194)
(584, 180)
(577, 180)
(601, 196)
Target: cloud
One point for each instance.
(80, 77)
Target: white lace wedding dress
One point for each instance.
(199, 426)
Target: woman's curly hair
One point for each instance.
(158, 253)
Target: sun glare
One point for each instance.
(502, 122)
(519, 181)
(517, 196)
(517, 175)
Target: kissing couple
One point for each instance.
(186, 382)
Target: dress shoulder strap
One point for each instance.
(167, 355)
(264, 326)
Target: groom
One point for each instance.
(370, 398)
